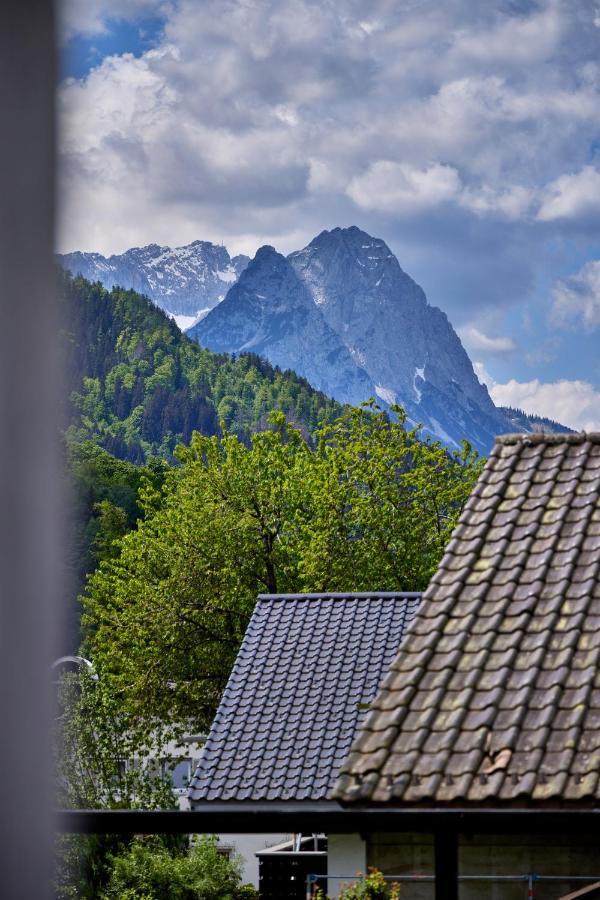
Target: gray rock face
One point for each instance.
(408, 348)
(342, 313)
(183, 281)
(271, 312)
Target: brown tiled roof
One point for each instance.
(494, 696)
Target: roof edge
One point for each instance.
(541, 437)
(348, 595)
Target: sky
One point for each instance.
(465, 134)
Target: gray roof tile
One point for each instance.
(295, 699)
(503, 653)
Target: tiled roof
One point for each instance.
(494, 696)
(306, 669)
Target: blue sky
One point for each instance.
(84, 51)
(466, 135)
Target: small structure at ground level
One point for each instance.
(286, 868)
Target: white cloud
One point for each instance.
(522, 39)
(577, 299)
(402, 188)
(434, 125)
(572, 403)
(513, 203)
(477, 340)
(571, 196)
(483, 375)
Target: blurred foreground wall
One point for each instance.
(30, 492)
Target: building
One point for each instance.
(490, 713)
(307, 670)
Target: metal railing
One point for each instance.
(529, 878)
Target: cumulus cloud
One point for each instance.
(572, 196)
(514, 203)
(516, 39)
(266, 122)
(572, 403)
(483, 375)
(576, 300)
(477, 340)
(402, 188)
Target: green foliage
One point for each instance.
(368, 508)
(101, 762)
(105, 497)
(96, 736)
(139, 387)
(149, 871)
(372, 886)
(105, 506)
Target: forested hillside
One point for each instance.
(522, 421)
(138, 387)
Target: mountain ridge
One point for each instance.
(184, 281)
(373, 312)
(530, 423)
(284, 325)
(341, 312)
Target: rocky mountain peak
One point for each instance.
(185, 281)
(268, 256)
(344, 314)
(270, 311)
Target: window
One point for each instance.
(178, 772)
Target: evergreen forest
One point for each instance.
(137, 386)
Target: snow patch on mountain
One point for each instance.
(228, 275)
(419, 373)
(180, 280)
(385, 394)
(442, 434)
(184, 323)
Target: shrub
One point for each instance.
(373, 887)
(147, 870)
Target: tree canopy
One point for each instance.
(138, 387)
(367, 507)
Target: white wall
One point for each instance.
(247, 845)
(346, 856)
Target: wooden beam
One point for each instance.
(286, 816)
(591, 890)
(446, 865)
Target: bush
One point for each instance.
(147, 870)
(372, 887)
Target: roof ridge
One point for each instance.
(345, 595)
(542, 437)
